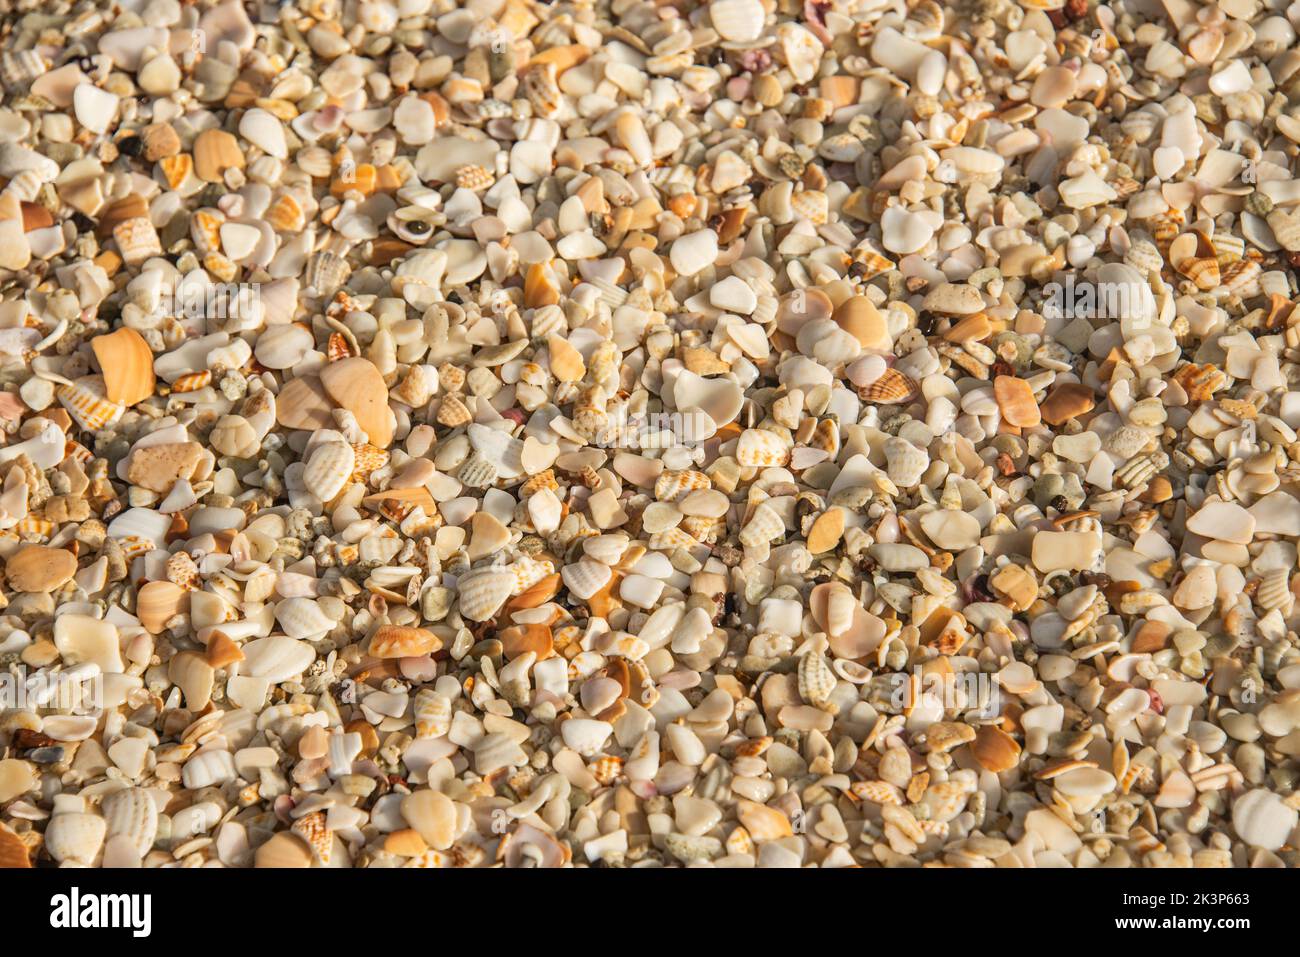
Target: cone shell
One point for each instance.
(75, 838)
(329, 469)
(758, 448)
(132, 813)
(87, 402)
(127, 362)
(432, 714)
(482, 592)
(398, 641)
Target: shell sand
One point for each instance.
(744, 433)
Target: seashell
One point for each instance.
(328, 469)
(356, 385)
(764, 526)
(282, 347)
(906, 463)
(1274, 590)
(1202, 271)
(607, 549)
(432, 714)
(75, 838)
(303, 404)
(528, 572)
(301, 618)
(132, 814)
(158, 602)
(277, 658)
(498, 448)
(994, 749)
(87, 402)
(477, 472)
(482, 592)
(284, 850)
(740, 21)
(816, 680)
(319, 838)
(286, 215)
(529, 846)
(586, 735)
(762, 822)
(674, 486)
(127, 362)
(13, 850)
(585, 577)
(182, 571)
(398, 641)
(191, 672)
(720, 399)
(40, 569)
(758, 448)
(892, 388)
(137, 240)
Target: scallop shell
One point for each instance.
(891, 388)
(482, 592)
(675, 486)
(432, 714)
(671, 539)
(764, 526)
(816, 680)
(132, 813)
(329, 469)
(477, 472)
(75, 838)
(585, 577)
(87, 402)
(399, 641)
(758, 448)
(607, 549)
(1274, 590)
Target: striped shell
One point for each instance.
(877, 792)
(312, 829)
(528, 572)
(368, 459)
(765, 526)
(816, 680)
(891, 388)
(483, 591)
(675, 486)
(192, 381)
(75, 838)
(758, 448)
(432, 714)
(1274, 590)
(87, 402)
(132, 813)
(329, 469)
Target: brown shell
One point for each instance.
(356, 385)
(303, 404)
(891, 388)
(127, 362)
(157, 602)
(14, 852)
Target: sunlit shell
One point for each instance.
(877, 792)
(891, 388)
(585, 577)
(400, 641)
(133, 814)
(301, 618)
(312, 829)
(816, 680)
(482, 592)
(328, 469)
(127, 363)
(432, 714)
(75, 838)
(764, 526)
(758, 448)
(192, 381)
(190, 671)
(87, 402)
(675, 486)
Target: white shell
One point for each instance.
(302, 618)
(208, 768)
(606, 549)
(498, 448)
(840, 607)
(758, 448)
(586, 735)
(740, 21)
(584, 578)
(329, 469)
(432, 714)
(544, 511)
(277, 658)
(483, 592)
(765, 526)
(75, 838)
(132, 813)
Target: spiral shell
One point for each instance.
(87, 402)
